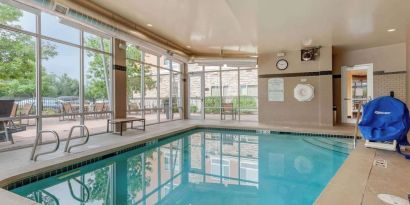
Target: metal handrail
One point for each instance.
(37, 141)
(87, 137)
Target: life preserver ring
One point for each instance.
(304, 92)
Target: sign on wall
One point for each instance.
(276, 90)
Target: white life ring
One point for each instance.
(304, 92)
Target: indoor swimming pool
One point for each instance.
(202, 166)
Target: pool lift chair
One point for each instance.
(384, 124)
(38, 141)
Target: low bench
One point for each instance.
(122, 121)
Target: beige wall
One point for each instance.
(390, 59)
(316, 112)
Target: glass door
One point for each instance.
(196, 99)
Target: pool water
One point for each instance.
(202, 166)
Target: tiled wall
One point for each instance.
(384, 83)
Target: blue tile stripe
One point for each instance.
(47, 174)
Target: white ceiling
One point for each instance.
(260, 26)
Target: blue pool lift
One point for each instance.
(385, 123)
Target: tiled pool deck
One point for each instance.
(357, 181)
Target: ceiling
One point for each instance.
(260, 26)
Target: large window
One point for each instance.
(72, 91)
(159, 100)
(55, 74)
(229, 93)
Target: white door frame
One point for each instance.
(345, 69)
(202, 90)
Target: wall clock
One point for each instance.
(282, 64)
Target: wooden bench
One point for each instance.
(122, 121)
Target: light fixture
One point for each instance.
(224, 66)
(256, 66)
(255, 56)
(188, 46)
(391, 30)
(149, 25)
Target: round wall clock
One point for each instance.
(282, 64)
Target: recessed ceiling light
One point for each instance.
(391, 30)
(188, 46)
(149, 25)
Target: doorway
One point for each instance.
(357, 89)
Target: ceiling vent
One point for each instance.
(60, 8)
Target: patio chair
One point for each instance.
(68, 110)
(133, 107)
(13, 113)
(99, 107)
(228, 109)
(25, 112)
(7, 127)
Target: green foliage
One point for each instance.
(193, 108)
(9, 14)
(18, 59)
(245, 102)
(98, 73)
(213, 103)
(134, 73)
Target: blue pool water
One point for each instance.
(202, 167)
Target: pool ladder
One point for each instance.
(68, 148)
(87, 137)
(39, 136)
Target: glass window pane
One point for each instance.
(133, 52)
(54, 27)
(97, 42)
(194, 68)
(176, 66)
(176, 96)
(134, 107)
(164, 95)
(230, 102)
(249, 94)
(60, 77)
(212, 95)
(211, 68)
(224, 67)
(151, 91)
(17, 83)
(17, 18)
(60, 86)
(165, 62)
(150, 59)
(97, 90)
